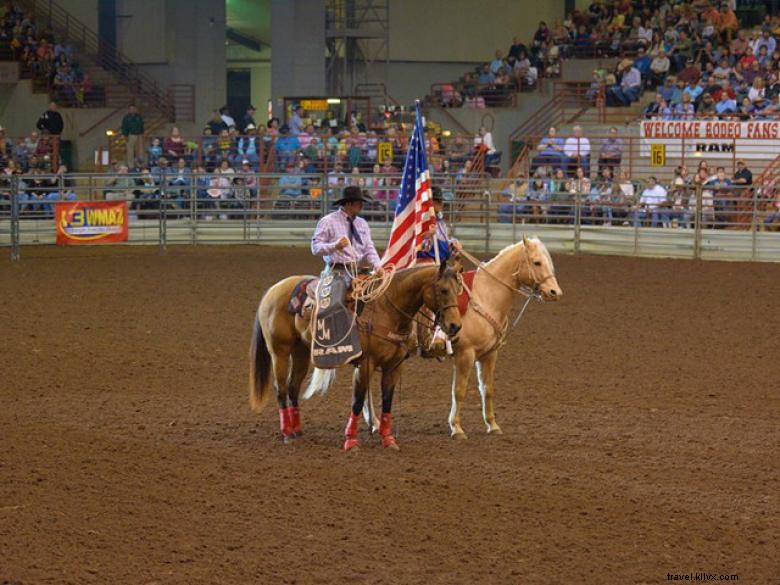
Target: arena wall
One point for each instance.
(424, 31)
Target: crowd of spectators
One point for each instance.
(693, 54)
(221, 164)
(617, 199)
(49, 61)
(493, 83)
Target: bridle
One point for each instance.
(528, 292)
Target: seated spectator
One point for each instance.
(694, 90)
(155, 151)
(651, 204)
(498, 63)
(179, 183)
(611, 151)
(486, 77)
(642, 64)
(706, 108)
(291, 183)
(685, 110)
(550, 152)
(120, 187)
(174, 144)
(537, 193)
(577, 151)
(690, 73)
(653, 109)
(630, 86)
(659, 68)
(726, 105)
(286, 147)
(743, 177)
(683, 52)
(483, 141)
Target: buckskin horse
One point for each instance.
(519, 269)
(279, 353)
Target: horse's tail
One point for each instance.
(320, 381)
(259, 368)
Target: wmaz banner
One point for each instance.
(730, 139)
(91, 222)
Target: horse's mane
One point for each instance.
(511, 247)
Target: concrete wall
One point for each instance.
(141, 30)
(178, 42)
(463, 30)
(298, 45)
(20, 108)
(84, 10)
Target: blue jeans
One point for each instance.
(573, 162)
(642, 214)
(556, 161)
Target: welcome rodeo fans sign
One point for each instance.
(756, 139)
(91, 222)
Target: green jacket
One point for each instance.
(132, 124)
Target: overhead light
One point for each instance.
(333, 100)
(109, 132)
(446, 133)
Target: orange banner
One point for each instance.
(91, 222)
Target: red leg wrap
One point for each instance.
(294, 416)
(350, 432)
(385, 430)
(284, 422)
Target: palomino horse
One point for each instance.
(281, 342)
(526, 264)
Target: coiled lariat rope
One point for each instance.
(369, 288)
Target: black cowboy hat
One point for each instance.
(352, 193)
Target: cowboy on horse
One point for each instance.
(344, 240)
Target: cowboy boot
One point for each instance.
(385, 431)
(294, 416)
(350, 432)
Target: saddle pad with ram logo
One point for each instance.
(335, 336)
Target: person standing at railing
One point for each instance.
(650, 203)
(249, 119)
(51, 121)
(133, 131)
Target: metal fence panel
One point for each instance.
(485, 214)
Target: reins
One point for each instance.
(529, 292)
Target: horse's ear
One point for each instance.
(442, 267)
(525, 240)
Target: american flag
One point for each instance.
(414, 213)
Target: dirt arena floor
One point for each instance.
(640, 417)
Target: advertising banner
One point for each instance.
(754, 139)
(91, 222)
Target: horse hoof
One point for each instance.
(495, 431)
(388, 442)
(288, 439)
(297, 434)
(351, 445)
(460, 436)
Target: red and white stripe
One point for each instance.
(411, 225)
